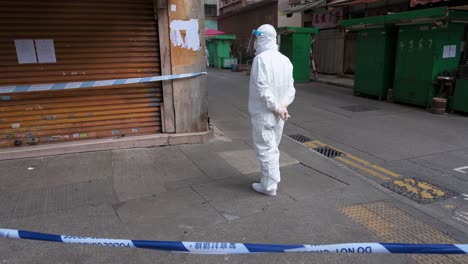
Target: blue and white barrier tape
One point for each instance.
(89, 84)
(242, 248)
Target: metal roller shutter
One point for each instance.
(94, 40)
(329, 50)
(349, 64)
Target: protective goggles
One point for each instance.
(256, 33)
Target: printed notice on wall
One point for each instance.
(453, 51)
(45, 50)
(185, 34)
(25, 51)
(446, 52)
(450, 51)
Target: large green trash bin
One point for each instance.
(375, 55)
(460, 98)
(219, 50)
(295, 43)
(429, 45)
(210, 46)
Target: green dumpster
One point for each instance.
(210, 46)
(295, 43)
(429, 45)
(460, 98)
(219, 50)
(375, 55)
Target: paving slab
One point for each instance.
(98, 221)
(37, 173)
(55, 198)
(300, 182)
(145, 172)
(136, 174)
(240, 130)
(219, 111)
(207, 160)
(167, 216)
(245, 161)
(300, 223)
(233, 198)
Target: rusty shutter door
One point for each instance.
(94, 40)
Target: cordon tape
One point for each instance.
(89, 84)
(217, 248)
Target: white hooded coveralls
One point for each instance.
(271, 89)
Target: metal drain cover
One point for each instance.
(420, 191)
(328, 152)
(359, 108)
(300, 138)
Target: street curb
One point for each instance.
(105, 144)
(334, 84)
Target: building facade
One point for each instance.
(240, 17)
(334, 48)
(211, 14)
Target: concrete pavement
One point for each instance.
(335, 80)
(202, 193)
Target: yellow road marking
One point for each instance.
(315, 144)
(356, 158)
(422, 189)
(383, 170)
(408, 184)
(371, 172)
(427, 186)
(347, 154)
(311, 144)
(319, 143)
(391, 173)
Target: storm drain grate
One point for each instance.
(359, 108)
(328, 152)
(300, 138)
(420, 191)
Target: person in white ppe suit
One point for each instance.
(271, 91)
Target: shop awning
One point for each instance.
(423, 2)
(304, 7)
(342, 3)
(211, 32)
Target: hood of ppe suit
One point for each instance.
(267, 40)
